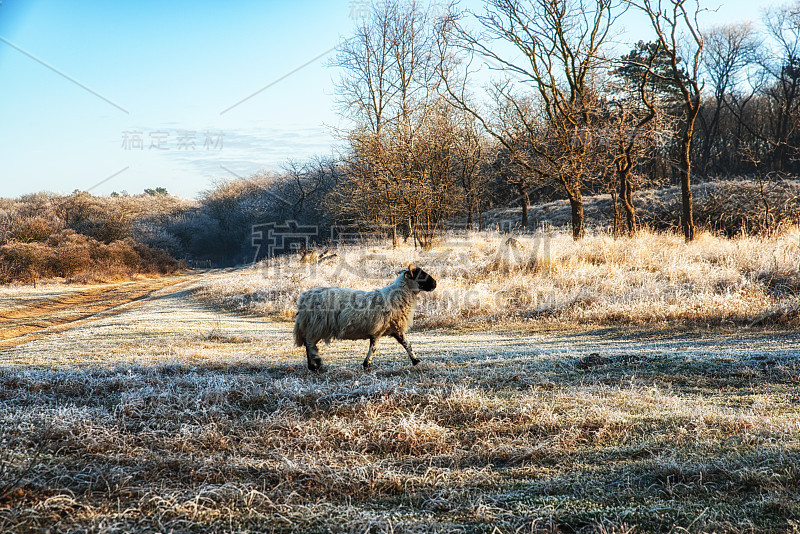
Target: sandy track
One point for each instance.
(51, 314)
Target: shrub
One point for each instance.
(34, 229)
(105, 230)
(67, 254)
(22, 261)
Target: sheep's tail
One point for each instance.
(300, 323)
(299, 334)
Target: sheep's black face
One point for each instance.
(423, 279)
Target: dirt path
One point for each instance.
(55, 313)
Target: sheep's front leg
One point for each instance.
(368, 359)
(406, 345)
(312, 354)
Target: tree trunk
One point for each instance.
(617, 223)
(576, 204)
(523, 201)
(626, 198)
(686, 187)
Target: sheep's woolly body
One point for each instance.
(326, 313)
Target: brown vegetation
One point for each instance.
(83, 238)
(80, 258)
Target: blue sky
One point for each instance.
(84, 85)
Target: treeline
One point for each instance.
(82, 237)
(455, 112)
(85, 238)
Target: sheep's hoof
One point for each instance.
(367, 367)
(415, 361)
(315, 365)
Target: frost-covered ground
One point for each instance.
(173, 416)
(178, 329)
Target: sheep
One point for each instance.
(325, 313)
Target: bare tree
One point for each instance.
(470, 152)
(677, 33)
(367, 93)
(515, 176)
(546, 132)
(729, 50)
(365, 87)
(635, 124)
(389, 90)
(781, 61)
(379, 87)
(436, 159)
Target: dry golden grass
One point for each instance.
(487, 278)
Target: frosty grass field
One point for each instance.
(630, 385)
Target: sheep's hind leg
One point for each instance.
(368, 359)
(312, 354)
(406, 345)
